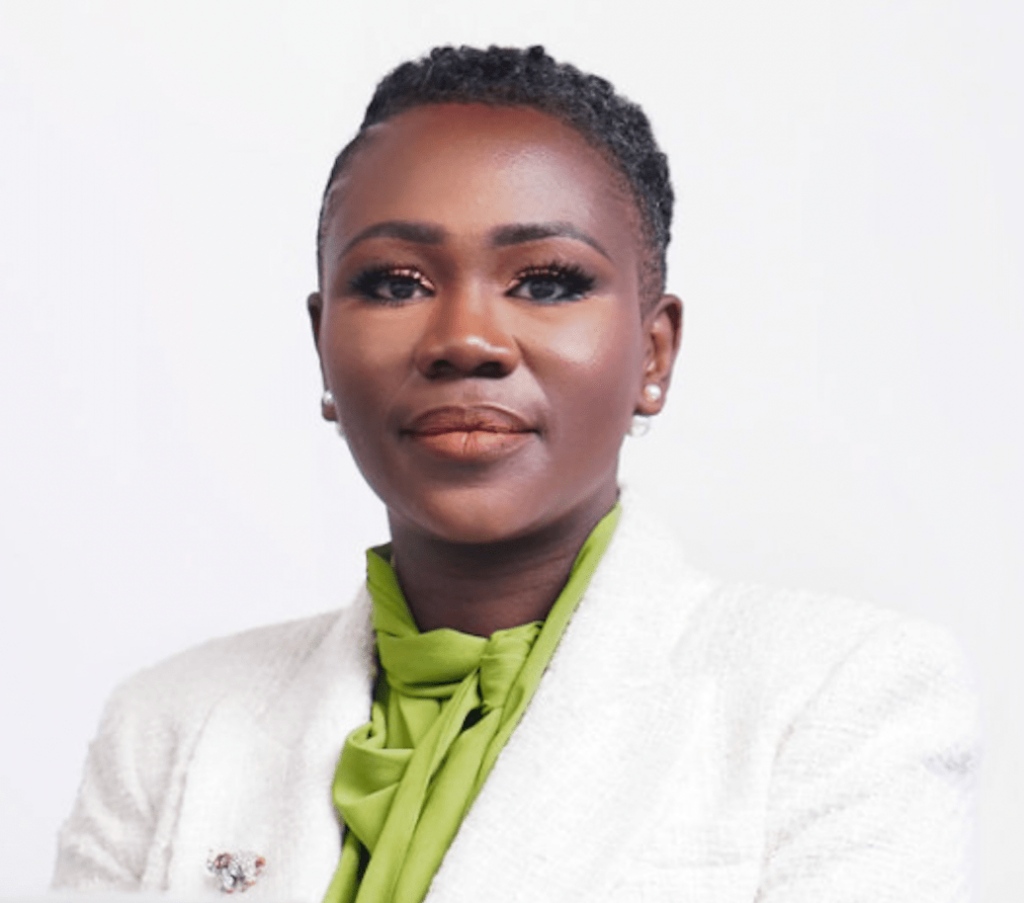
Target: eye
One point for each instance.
(552, 283)
(392, 284)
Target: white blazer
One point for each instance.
(692, 740)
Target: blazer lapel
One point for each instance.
(586, 762)
(261, 773)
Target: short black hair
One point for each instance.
(513, 76)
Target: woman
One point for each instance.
(558, 707)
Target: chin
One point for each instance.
(474, 517)
(483, 516)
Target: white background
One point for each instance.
(846, 415)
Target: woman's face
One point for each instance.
(479, 324)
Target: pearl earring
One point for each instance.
(327, 403)
(641, 426)
(652, 393)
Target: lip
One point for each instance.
(469, 433)
(467, 419)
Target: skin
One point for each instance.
(485, 396)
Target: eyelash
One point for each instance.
(369, 282)
(573, 281)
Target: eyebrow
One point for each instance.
(504, 236)
(404, 230)
(500, 237)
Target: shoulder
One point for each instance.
(850, 728)
(785, 646)
(136, 771)
(797, 632)
(139, 760)
(182, 689)
(828, 676)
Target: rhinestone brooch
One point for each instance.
(236, 871)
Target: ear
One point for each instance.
(315, 306)
(663, 331)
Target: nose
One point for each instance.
(465, 337)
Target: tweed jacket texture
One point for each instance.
(692, 740)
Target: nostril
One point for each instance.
(440, 369)
(491, 370)
(444, 369)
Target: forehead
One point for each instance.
(471, 167)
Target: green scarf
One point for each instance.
(438, 721)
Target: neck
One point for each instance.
(478, 589)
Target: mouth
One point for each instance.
(471, 433)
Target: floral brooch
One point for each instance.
(236, 871)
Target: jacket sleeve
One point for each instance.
(108, 842)
(873, 788)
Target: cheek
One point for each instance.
(363, 364)
(595, 388)
(361, 369)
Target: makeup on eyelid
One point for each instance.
(547, 283)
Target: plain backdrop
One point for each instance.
(846, 414)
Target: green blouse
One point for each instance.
(442, 713)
